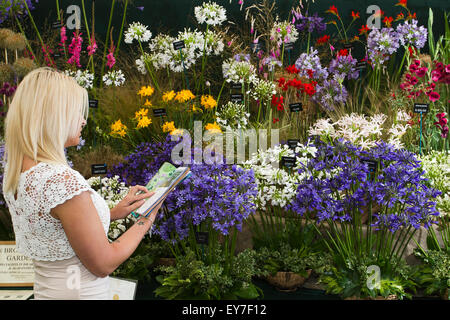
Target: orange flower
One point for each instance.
(400, 16)
(333, 10)
(323, 40)
(355, 15)
(402, 3)
(364, 29)
(388, 21)
(411, 16)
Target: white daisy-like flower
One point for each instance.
(137, 31)
(210, 13)
(115, 78)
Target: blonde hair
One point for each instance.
(47, 109)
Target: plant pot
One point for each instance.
(390, 297)
(287, 281)
(445, 295)
(166, 262)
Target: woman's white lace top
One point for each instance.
(39, 235)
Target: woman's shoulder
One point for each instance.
(52, 172)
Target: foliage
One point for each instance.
(434, 273)
(193, 279)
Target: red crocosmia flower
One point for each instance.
(281, 82)
(400, 16)
(342, 52)
(364, 29)
(310, 73)
(292, 69)
(434, 96)
(402, 3)
(275, 120)
(388, 21)
(333, 10)
(412, 51)
(323, 40)
(412, 16)
(355, 15)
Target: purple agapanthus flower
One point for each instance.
(381, 44)
(343, 67)
(311, 61)
(330, 93)
(412, 35)
(398, 186)
(15, 8)
(307, 23)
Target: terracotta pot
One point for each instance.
(287, 281)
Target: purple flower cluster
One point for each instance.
(343, 67)
(381, 44)
(139, 166)
(12, 8)
(217, 196)
(398, 186)
(412, 35)
(308, 23)
(311, 61)
(329, 93)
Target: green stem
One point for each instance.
(107, 41)
(121, 28)
(26, 40)
(36, 29)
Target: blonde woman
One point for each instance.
(59, 221)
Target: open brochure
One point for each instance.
(162, 183)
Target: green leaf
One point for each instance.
(249, 292)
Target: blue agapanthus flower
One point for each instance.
(15, 8)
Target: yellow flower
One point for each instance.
(168, 96)
(184, 95)
(208, 102)
(147, 103)
(177, 132)
(144, 122)
(146, 91)
(194, 109)
(213, 127)
(168, 126)
(141, 113)
(118, 128)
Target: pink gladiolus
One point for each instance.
(75, 49)
(93, 47)
(111, 61)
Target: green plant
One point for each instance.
(434, 273)
(352, 280)
(193, 279)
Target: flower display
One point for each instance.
(263, 90)
(311, 62)
(137, 31)
(233, 115)
(118, 129)
(239, 71)
(412, 35)
(330, 93)
(115, 78)
(210, 13)
(309, 24)
(283, 32)
(343, 66)
(15, 8)
(381, 44)
(84, 78)
(184, 96)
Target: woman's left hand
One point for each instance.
(131, 202)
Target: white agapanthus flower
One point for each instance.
(83, 78)
(437, 170)
(239, 71)
(137, 31)
(262, 90)
(210, 13)
(283, 32)
(277, 186)
(112, 191)
(115, 78)
(233, 115)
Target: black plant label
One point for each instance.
(99, 169)
(202, 237)
(421, 107)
